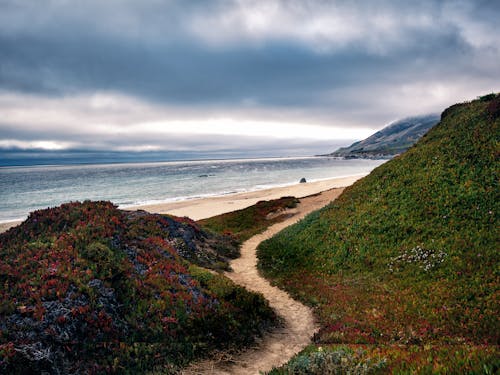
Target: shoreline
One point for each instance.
(202, 208)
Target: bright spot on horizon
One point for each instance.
(249, 128)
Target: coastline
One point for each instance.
(202, 208)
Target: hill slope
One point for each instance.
(392, 140)
(88, 288)
(409, 254)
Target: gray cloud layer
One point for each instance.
(358, 63)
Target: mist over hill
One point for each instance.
(392, 140)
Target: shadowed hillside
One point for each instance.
(88, 288)
(392, 140)
(404, 264)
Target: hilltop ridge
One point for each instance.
(392, 140)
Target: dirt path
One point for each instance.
(280, 345)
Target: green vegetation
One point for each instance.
(406, 260)
(87, 288)
(245, 223)
(324, 361)
(374, 359)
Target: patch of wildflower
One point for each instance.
(425, 259)
(340, 361)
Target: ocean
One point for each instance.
(28, 188)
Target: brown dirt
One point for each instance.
(277, 347)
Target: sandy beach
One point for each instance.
(5, 226)
(202, 208)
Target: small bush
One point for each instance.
(493, 108)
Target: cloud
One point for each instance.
(105, 121)
(323, 26)
(74, 72)
(377, 27)
(35, 145)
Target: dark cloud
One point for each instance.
(282, 74)
(360, 64)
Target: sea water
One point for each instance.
(28, 188)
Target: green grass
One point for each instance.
(409, 254)
(245, 223)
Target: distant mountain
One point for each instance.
(392, 140)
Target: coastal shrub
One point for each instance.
(494, 107)
(409, 254)
(88, 288)
(487, 97)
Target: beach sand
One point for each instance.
(6, 226)
(202, 208)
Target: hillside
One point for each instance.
(404, 264)
(240, 225)
(392, 140)
(88, 288)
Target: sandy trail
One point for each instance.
(279, 346)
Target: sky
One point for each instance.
(234, 78)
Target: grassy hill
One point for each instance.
(392, 140)
(404, 265)
(88, 288)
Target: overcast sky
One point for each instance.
(262, 77)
